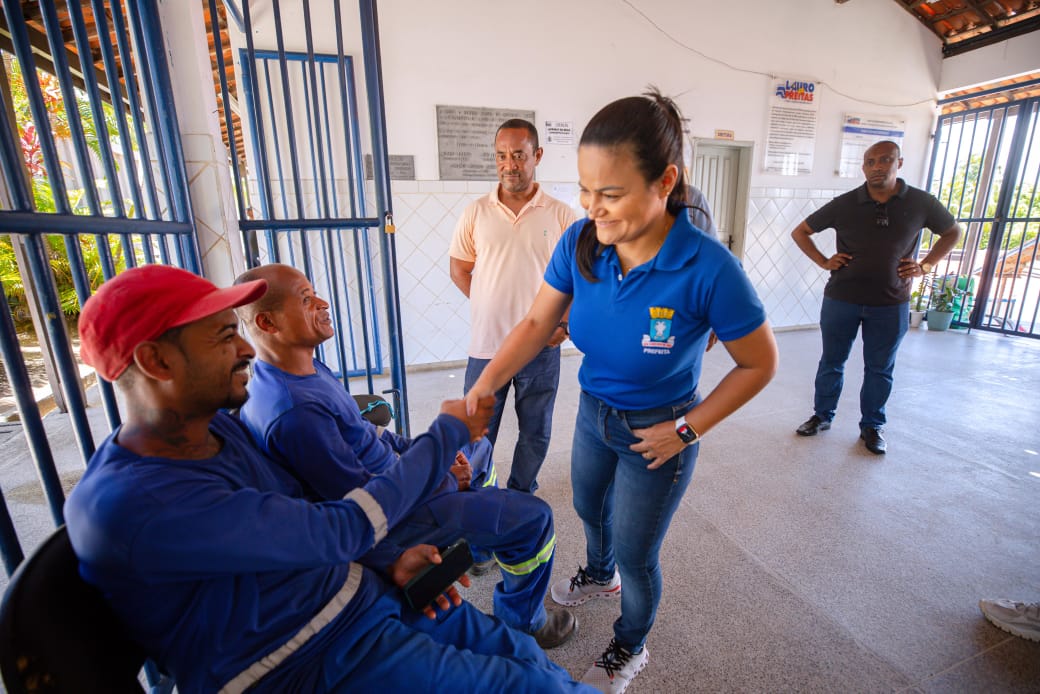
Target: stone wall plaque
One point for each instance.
(402, 167)
(466, 140)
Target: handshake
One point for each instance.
(477, 423)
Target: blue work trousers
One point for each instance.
(517, 528)
(478, 453)
(626, 508)
(463, 650)
(534, 396)
(883, 328)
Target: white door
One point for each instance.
(716, 171)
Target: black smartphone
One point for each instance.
(437, 578)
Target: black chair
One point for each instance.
(57, 633)
(372, 407)
(375, 409)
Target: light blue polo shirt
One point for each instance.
(644, 335)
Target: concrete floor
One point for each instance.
(804, 565)
(811, 565)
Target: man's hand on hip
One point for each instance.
(837, 261)
(908, 267)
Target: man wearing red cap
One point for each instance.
(208, 550)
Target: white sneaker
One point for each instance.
(1018, 618)
(579, 588)
(616, 668)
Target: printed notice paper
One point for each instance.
(859, 132)
(559, 132)
(791, 141)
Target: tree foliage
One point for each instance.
(42, 192)
(960, 194)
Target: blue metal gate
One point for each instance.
(300, 180)
(94, 182)
(986, 169)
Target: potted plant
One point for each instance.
(919, 303)
(941, 303)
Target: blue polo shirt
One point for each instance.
(644, 334)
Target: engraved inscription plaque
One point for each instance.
(402, 167)
(466, 140)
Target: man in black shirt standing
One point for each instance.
(877, 228)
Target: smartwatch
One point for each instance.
(926, 267)
(685, 431)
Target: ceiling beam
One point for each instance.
(42, 54)
(981, 12)
(909, 6)
(986, 36)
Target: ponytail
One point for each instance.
(651, 127)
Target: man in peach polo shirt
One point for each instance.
(501, 247)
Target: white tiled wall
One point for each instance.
(435, 315)
(212, 209)
(790, 285)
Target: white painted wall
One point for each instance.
(566, 59)
(1010, 58)
(209, 181)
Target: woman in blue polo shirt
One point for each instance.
(645, 289)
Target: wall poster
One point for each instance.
(791, 140)
(559, 132)
(859, 132)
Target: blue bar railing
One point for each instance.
(980, 169)
(131, 219)
(292, 101)
(149, 189)
(384, 203)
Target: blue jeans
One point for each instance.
(883, 329)
(534, 397)
(626, 508)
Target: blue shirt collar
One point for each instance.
(680, 247)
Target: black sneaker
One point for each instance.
(559, 627)
(813, 426)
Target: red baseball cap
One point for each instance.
(143, 303)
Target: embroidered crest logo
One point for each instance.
(660, 339)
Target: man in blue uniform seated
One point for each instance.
(211, 554)
(304, 418)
